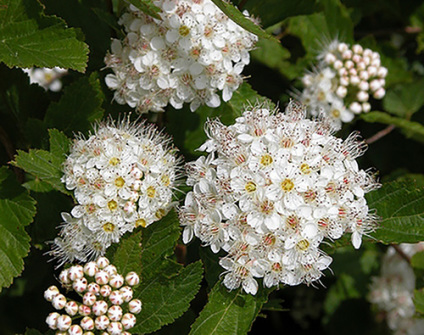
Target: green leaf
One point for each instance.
(401, 207)
(29, 38)
(148, 7)
(229, 312)
(419, 300)
(273, 11)
(404, 100)
(417, 21)
(127, 256)
(37, 185)
(417, 260)
(17, 210)
(410, 129)
(165, 299)
(45, 166)
(238, 17)
(78, 108)
(32, 332)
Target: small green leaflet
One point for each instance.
(148, 7)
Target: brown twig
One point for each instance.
(401, 253)
(380, 134)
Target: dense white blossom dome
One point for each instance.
(273, 187)
(194, 51)
(343, 81)
(123, 177)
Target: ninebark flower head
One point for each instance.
(273, 187)
(189, 55)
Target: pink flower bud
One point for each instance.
(111, 270)
(116, 281)
(364, 86)
(136, 172)
(380, 93)
(130, 207)
(338, 64)
(349, 64)
(342, 47)
(344, 81)
(115, 328)
(367, 53)
(127, 293)
(71, 308)
(342, 72)
(354, 80)
(63, 277)
(134, 306)
(84, 310)
(128, 321)
(89, 299)
(330, 58)
(362, 96)
(105, 290)
(63, 322)
(375, 85)
(93, 288)
(376, 62)
(132, 278)
(114, 313)
(366, 107)
(355, 107)
(356, 48)
(51, 292)
(341, 91)
(347, 54)
(80, 285)
(356, 59)
(75, 272)
(364, 75)
(382, 72)
(75, 330)
(87, 323)
(116, 298)
(100, 307)
(361, 66)
(59, 301)
(90, 269)
(372, 71)
(51, 320)
(102, 262)
(102, 277)
(101, 322)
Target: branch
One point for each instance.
(380, 134)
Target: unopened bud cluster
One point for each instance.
(107, 300)
(194, 51)
(47, 78)
(393, 291)
(123, 177)
(343, 82)
(272, 189)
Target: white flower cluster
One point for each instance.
(49, 79)
(122, 177)
(343, 81)
(393, 291)
(107, 305)
(273, 187)
(187, 56)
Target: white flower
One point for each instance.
(123, 176)
(272, 189)
(49, 79)
(186, 57)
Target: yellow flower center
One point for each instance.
(108, 227)
(114, 161)
(250, 187)
(90, 208)
(112, 205)
(119, 182)
(266, 160)
(287, 185)
(303, 245)
(305, 168)
(335, 113)
(140, 223)
(184, 30)
(165, 180)
(160, 213)
(151, 191)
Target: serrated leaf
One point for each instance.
(59, 146)
(401, 207)
(127, 256)
(37, 185)
(229, 312)
(211, 264)
(404, 100)
(238, 17)
(17, 210)
(78, 108)
(410, 129)
(148, 7)
(417, 260)
(165, 299)
(29, 38)
(419, 300)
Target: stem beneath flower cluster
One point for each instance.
(401, 253)
(380, 134)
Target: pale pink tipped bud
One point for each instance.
(61, 332)
(355, 107)
(111, 270)
(100, 307)
(87, 323)
(382, 72)
(342, 47)
(361, 66)
(63, 277)
(366, 107)
(356, 58)
(380, 93)
(75, 330)
(342, 72)
(59, 301)
(115, 313)
(90, 333)
(354, 80)
(89, 299)
(101, 322)
(116, 298)
(115, 328)
(375, 55)
(125, 333)
(364, 86)
(102, 262)
(75, 272)
(84, 310)
(105, 290)
(375, 85)
(349, 64)
(341, 91)
(376, 62)
(356, 48)
(51, 320)
(134, 306)
(136, 172)
(130, 207)
(71, 308)
(338, 64)
(344, 81)
(372, 71)
(367, 53)
(362, 96)
(132, 278)
(80, 284)
(116, 281)
(382, 82)
(347, 54)
(364, 75)
(128, 321)
(63, 322)
(90, 269)
(353, 72)
(330, 58)
(51, 292)
(127, 293)
(102, 277)
(93, 288)
(366, 60)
